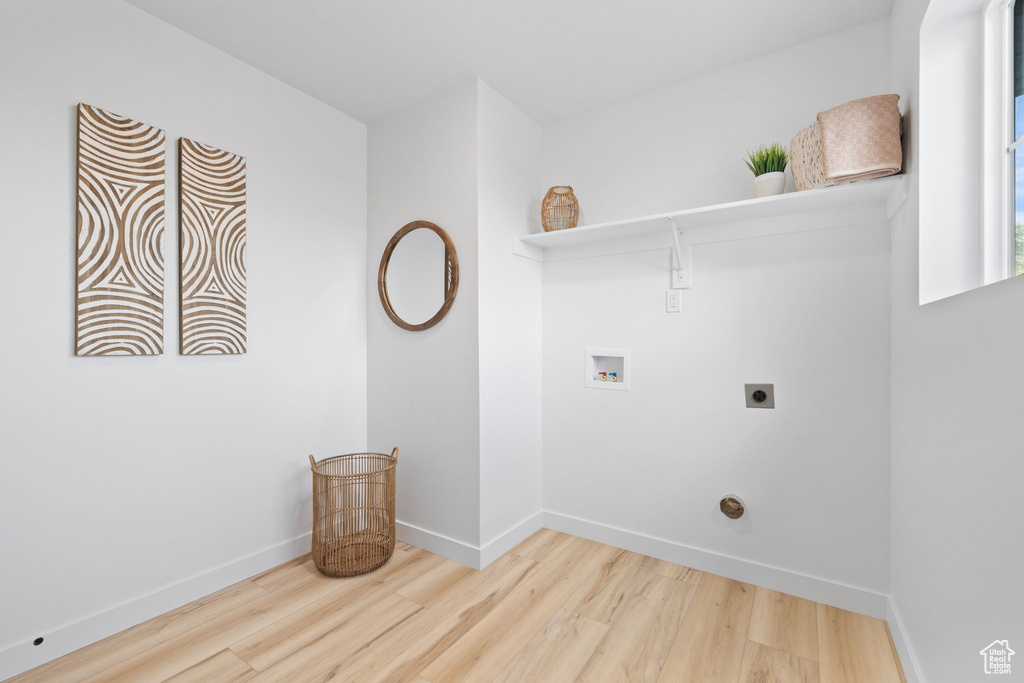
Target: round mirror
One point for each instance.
(418, 276)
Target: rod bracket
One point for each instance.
(680, 257)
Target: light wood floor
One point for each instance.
(556, 608)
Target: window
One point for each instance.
(1003, 195)
(1016, 247)
(971, 53)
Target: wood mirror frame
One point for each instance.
(451, 275)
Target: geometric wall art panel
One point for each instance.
(120, 259)
(212, 245)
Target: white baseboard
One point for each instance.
(852, 598)
(61, 640)
(911, 669)
(509, 539)
(470, 555)
(439, 544)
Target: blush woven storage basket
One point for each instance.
(353, 512)
(860, 140)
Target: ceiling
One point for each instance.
(552, 58)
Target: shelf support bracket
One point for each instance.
(680, 257)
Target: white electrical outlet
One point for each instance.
(673, 301)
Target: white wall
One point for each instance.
(684, 145)
(808, 312)
(462, 399)
(510, 318)
(424, 389)
(122, 476)
(957, 471)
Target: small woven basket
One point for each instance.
(560, 210)
(805, 159)
(353, 512)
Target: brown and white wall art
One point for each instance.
(120, 260)
(212, 243)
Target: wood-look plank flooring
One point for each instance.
(556, 608)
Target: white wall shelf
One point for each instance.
(828, 207)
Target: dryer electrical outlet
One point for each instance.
(759, 395)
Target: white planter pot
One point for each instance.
(769, 184)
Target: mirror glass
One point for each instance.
(416, 276)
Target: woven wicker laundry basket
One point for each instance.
(353, 512)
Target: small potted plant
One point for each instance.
(768, 164)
